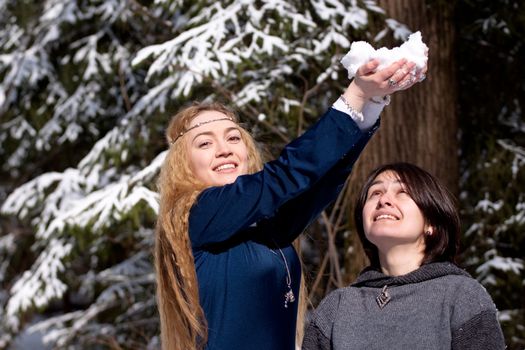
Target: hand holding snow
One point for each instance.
(414, 50)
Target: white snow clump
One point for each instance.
(413, 50)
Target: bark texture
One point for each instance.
(420, 125)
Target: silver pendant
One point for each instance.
(383, 298)
(288, 298)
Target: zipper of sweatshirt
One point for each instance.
(383, 298)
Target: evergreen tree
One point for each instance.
(493, 153)
(87, 89)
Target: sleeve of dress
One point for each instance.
(481, 332)
(221, 212)
(294, 216)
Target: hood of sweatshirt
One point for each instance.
(371, 277)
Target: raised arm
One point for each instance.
(221, 212)
(294, 216)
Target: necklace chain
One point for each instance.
(289, 297)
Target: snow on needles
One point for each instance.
(413, 50)
(37, 287)
(499, 263)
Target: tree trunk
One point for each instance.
(420, 125)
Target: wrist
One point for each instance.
(354, 97)
(347, 107)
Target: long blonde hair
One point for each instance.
(182, 320)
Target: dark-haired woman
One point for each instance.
(413, 295)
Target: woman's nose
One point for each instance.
(384, 200)
(223, 149)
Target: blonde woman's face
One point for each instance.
(216, 150)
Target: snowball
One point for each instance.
(361, 52)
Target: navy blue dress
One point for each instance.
(236, 230)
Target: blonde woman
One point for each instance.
(228, 275)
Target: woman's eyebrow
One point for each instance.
(376, 182)
(380, 182)
(227, 130)
(211, 133)
(204, 133)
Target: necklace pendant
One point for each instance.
(288, 298)
(383, 298)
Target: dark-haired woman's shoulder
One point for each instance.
(318, 332)
(469, 293)
(474, 316)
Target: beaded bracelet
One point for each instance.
(354, 113)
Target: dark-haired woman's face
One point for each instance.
(390, 215)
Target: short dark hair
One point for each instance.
(436, 202)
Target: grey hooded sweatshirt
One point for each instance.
(438, 306)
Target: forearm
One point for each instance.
(482, 332)
(295, 215)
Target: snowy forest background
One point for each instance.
(86, 90)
